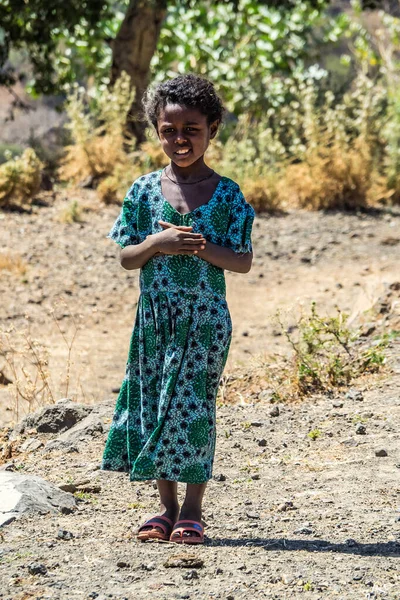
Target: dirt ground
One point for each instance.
(336, 259)
(287, 516)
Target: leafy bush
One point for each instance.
(20, 180)
(327, 355)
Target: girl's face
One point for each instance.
(184, 133)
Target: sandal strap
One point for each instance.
(162, 522)
(188, 524)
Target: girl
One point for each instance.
(181, 226)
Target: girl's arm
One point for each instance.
(169, 241)
(225, 258)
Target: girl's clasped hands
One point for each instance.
(178, 239)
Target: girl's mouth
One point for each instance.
(182, 151)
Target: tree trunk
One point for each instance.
(133, 49)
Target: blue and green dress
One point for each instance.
(164, 420)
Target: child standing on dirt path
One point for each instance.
(181, 226)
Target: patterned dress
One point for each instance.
(164, 420)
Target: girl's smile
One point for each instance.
(185, 135)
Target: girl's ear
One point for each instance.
(214, 128)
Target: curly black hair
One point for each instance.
(189, 90)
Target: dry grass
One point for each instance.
(12, 262)
(20, 180)
(326, 355)
(72, 213)
(264, 193)
(97, 128)
(25, 365)
(332, 179)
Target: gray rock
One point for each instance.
(252, 515)
(304, 531)
(219, 477)
(274, 412)
(31, 444)
(122, 564)
(361, 429)
(355, 395)
(88, 427)
(37, 569)
(63, 534)
(381, 452)
(193, 574)
(262, 443)
(60, 445)
(54, 418)
(30, 494)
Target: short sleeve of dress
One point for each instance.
(124, 231)
(242, 214)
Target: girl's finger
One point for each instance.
(194, 242)
(165, 224)
(193, 236)
(192, 248)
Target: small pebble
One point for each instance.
(303, 530)
(37, 569)
(262, 442)
(219, 477)
(252, 515)
(149, 566)
(381, 452)
(355, 395)
(361, 429)
(191, 575)
(122, 564)
(274, 412)
(63, 534)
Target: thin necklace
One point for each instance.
(187, 182)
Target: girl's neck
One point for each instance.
(195, 171)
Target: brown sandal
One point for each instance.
(163, 523)
(177, 534)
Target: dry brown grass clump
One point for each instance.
(72, 213)
(332, 179)
(20, 180)
(25, 368)
(12, 262)
(98, 131)
(263, 193)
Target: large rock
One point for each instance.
(54, 418)
(30, 494)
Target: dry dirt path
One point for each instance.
(287, 517)
(335, 259)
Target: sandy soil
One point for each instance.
(287, 516)
(336, 260)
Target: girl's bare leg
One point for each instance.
(169, 506)
(191, 507)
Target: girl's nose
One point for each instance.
(180, 138)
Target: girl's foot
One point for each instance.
(171, 514)
(190, 516)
